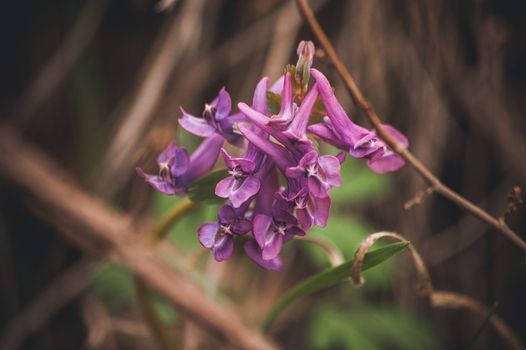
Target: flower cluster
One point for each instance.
(279, 187)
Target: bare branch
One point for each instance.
(424, 172)
(97, 229)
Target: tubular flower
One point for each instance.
(216, 118)
(280, 186)
(341, 132)
(218, 236)
(177, 170)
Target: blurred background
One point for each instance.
(98, 85)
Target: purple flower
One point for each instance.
(277, 153)
(243, 182)
(271, 232)
(321, 173)
(218, 236)
(254, 252)
(286, 113)
(215, 118)
(309, 209)
(177, 170)
(341, 132)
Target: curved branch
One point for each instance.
(420, 168)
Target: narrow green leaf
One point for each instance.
(202, 190)
(331, 277)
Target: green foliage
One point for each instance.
(359, 184)
(113, 284)
(368, 328)
(330, 277)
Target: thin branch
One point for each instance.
(424, 172)
(98, 229)
(443, 299)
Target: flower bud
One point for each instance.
(305, 52)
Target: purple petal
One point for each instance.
(248, 188)
(295, 171)
(397, 135)
(298, 127)
(317, 188)
(322, 209)
(168, 153)
(226, 214)
(386, 163)
(286, 99)
(158, 183)
(260, 226)
(277, 87)
(204, 157)
(254, 252)
(225, 186)
(309, 159)
(278, 154)
(294, 231)
(272, 247)
(223, 248)
(341, 122)
(326, 134)
(181, 162)
(247, 165)
(262, 122)
(305, 219)
(207, 234)
(242, 226)
(331, 169)
(196, 126)
(223, 104)
(259, 102)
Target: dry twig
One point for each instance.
(371, 115)
(97, 229)
(443, 299)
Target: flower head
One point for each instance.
(271, 231)
(341, 132)
(177, 170)
(216, 118)
(218, 236)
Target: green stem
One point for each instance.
(163, 227)
(144, 297)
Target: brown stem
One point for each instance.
(420, 168)
(99, 230)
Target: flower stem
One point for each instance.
(144, 297)
(163, 227)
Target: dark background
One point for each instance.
(451, 75)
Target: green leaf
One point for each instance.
(331, 277)
(202, 190)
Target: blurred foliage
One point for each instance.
(370, 327)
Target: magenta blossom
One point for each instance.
(254, 252)
(243, 182)
(177, 170)
(341, 132)
(321, 173)
(216, 118)
(272, 231)
(218, 236)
